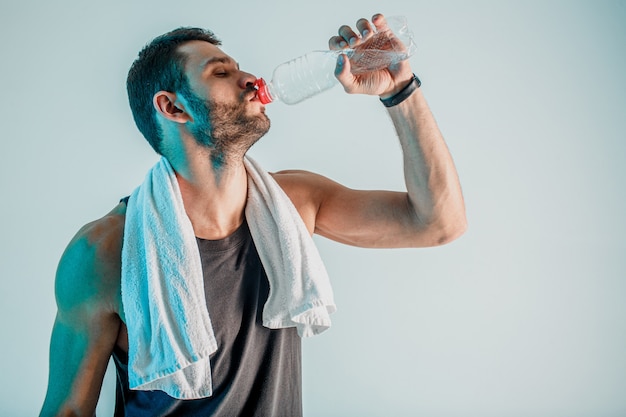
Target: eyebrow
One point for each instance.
(218, 59)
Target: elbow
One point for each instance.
(451, 231)
(437, 227)
(440, 223)
(448, 223)
(443, 231)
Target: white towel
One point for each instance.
(169, 330)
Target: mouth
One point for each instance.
(251, 95)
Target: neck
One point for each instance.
(214, 191)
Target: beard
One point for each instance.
(226, 128)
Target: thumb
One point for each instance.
(342, 70)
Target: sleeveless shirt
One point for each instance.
(256, 371)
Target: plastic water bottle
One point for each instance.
(310, 74)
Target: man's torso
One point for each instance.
(255, 368)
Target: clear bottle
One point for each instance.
(310, 74)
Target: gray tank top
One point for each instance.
(256, 371)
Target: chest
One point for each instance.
(235, 287)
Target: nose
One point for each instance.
(246, 80)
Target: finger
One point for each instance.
(348, 35)
(379, 22)
(365, 28)
(381, 25)
(337, 42)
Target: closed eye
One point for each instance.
(221, 66)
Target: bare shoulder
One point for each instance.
(88, 275)
(87, 323)
(305, 184)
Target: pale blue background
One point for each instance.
(525, 315)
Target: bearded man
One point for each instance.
(200, 111)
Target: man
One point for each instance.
(200, 111)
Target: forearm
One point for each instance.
(433, 187)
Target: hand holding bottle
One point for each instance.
(370, 62)
(373, 38)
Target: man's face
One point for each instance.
(227, 115)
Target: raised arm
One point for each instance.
(435, 200)
(86, 326)
(431, 211)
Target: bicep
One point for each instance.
(383, 219)
(376, 219)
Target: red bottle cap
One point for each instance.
(262, 92)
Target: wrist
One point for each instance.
(397, 97)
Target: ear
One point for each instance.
(168, 105)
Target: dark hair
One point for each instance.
(160, 66)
